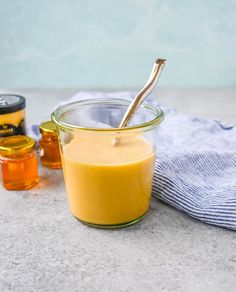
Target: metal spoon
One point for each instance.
(142, 94)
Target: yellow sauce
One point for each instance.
(108, 184)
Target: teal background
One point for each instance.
(111, 44)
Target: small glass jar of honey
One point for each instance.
(49, 146)
(19, 165)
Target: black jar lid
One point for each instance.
(10, 103)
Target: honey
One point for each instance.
(49, 146)
(19, 165)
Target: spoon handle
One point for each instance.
(144, 92)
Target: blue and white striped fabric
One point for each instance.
(196, 168)
(196, 165)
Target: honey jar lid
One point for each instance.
(10, 103)
(48, 128)
(14, 145)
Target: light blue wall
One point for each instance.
(112, 43)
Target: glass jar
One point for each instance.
(12, 115)
(108, 171)
(19, 165)
(49, 147)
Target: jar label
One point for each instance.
(10, 130)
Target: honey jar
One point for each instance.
(18, 163)
(12, 115)
(49, 146)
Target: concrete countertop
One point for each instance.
(44, 248)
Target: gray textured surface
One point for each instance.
(43, 248)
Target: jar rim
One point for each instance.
(48, 127)
(18, 144)
(11, 103)
(55, 116)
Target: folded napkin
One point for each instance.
(196, 168)
(196, 164)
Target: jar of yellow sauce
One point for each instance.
(12, 115)
(108, 171)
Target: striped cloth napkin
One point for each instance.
(196, 164)
(196, 168)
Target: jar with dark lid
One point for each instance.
(49, 146)
(12, 115)
(19, 165)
